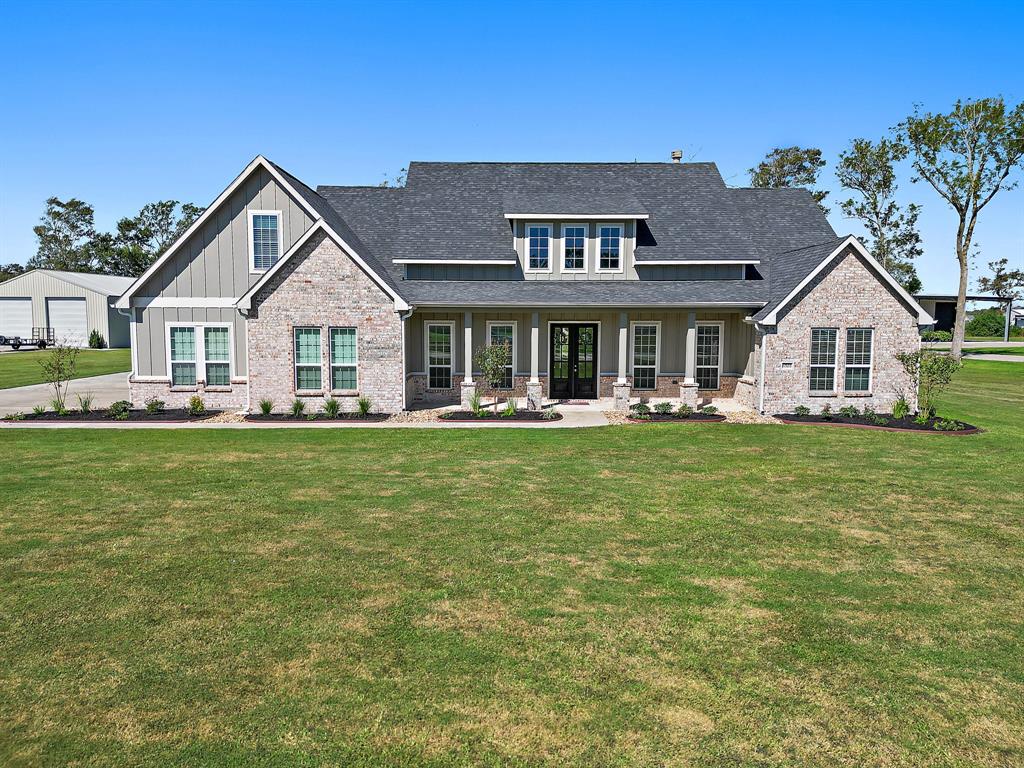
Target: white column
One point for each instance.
(467, 330)
(535, 348)
(690, 370)
(623, 345)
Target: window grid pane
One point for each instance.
(823, 359)
(216, 345)
(439, 356)
(308, 377)
(539, 245)
(264, 240)
(575, 247)
(343, 346)
(858, 346)
(308, 374)
(218, 375)
(708, 355)
(183, 374)
(645, 356)
(343, 377)
(610, 244)
(502, 334)
(183, 344)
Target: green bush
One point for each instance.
(947, 425)
(987, 322)
(921, 418)
(879, 421)
(154, 405)
(364, 405)
(58, 407)
(849, 411)
(930, 373)
(38, 410)
(640, 410)
(826, 412)
(869, 412)
(709, 410)
(298, 408)
(510, 408)
(801, 410)
(936, 336)
(119, 410)
(85, 402)
(549, 414)
(266, 406)
(476, 404)
(331, 408)
(684, 411)
(196, 406)
(663, 409)
(96, 340)
(901, 409)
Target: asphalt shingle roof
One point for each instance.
(576, 203)
(791, 267)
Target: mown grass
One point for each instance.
(994, 351)
(646, 595)
(18, 369)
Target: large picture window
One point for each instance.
(709, 356)
(504, 333)
(264, 239)
(610, 248)
(538, 247)
(574, 240)
(823, 360)
(439, 355)
(858, 359)
(308, 366)
(344, 359)
(645, 356)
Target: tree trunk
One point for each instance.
(961, 303)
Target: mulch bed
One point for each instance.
(892, 425)
(287, 417)
(490, 416)
(169, 415)
(661, 417)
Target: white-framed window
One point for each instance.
(646, 354)
(823, 360)
(439, 354)
(574, 247)
(538, 247)
(609, 250)
(199, 352)
(504, 332)
(264, 239)
(709, 355)
(344, 359)
(859, 343)
(308, 360)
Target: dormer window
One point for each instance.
(574, 241)
(538, 247)
(610, 248)
(264, 239)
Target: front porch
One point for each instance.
(610, 357)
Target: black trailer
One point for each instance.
(41, 339)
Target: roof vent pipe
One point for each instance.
(677, 155)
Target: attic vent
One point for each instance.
(677, 155)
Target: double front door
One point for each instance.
(573, 364)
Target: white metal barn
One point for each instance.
(72, 304)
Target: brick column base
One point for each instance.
(534, 396)
(468, 390)
(688, 394)
(620, 394)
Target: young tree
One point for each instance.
(966, 156)
(893, 239)
(493, 360)
(929, 373)
(790, 167)
(58, 370)
(63, 232)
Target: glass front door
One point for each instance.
(573, 364)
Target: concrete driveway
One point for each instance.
(105, 390)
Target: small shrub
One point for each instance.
(900, 409)
(849, 411)
(663, 409)
(510, 408)
(154, 405)
(640, 410)
(16, 416)
(709, 410)
(266, 406)
(38, 410)
(476, 404)
(119, 410)
(684, 411)
(947, 425)
(869, 412)
(929, 373)
(331, 408)
(310, 417)
(196, 406)
(96, 340)
(58, 407)
(85, 402)
(801, 410)
(364, 405)
(549, 414)
(921, 418)
(936, 336)
(298, 408)
(826, 412)
(879, 421)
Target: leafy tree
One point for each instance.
(791, 167)
(493, 360)
(7, 271)
(966, 156)
(58, 369)
(987, 322)
(156, 226)
(113, 256)
(893, 239)
(929, 374)
(63, 232)
(1005, 283)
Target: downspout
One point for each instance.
(130, 314)
(402, 317)
(760, 397)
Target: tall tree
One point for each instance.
(1005, 283)
(63, 231)
(791, 167)
(113, 256)
(157, 225)
(893, 239)
(7, 271)
(966, 155)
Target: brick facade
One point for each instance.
(214, 398)
(847, 295)
(322, 287)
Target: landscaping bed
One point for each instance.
(882, 421)
(287, 417)
(662, 417)
(170, 414)
(490, 416)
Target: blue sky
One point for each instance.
(123, 104)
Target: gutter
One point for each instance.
(130, 314)
(402, 317)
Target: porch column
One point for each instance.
(620, 389)
(688, 389)
(534, 393)
(468, 386)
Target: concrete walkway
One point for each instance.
(1001, 358)
(105, 389)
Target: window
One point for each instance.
(504, 333)
(264, 239)
(858, 359)
(308, 370)
(217, 354)
(538, 247)
(609, 254)
(645, 355)
(709, 355)
(439, 355)
(343, 358)
(183, 356)
(574, 243)
(823, 359)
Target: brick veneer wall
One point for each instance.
(215, 398)
(848, 295)
(322, 287)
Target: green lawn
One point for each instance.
(707, 595)
(20, 368)
(994, 351)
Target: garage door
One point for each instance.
(16, 318)
(67, 318)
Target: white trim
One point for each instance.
(496, 262)
(698, 262)
(870, 366)
(426, 353)
(210, 302)
(249, 214)
(526, 247)
(579, 216)
(597, 349)
(720, 324)
(515, 341)
(657, 351)
(258, 162)
(295, 360)
(200, 345)
(598, 269)
(923, 318)
(330, 358)
(245, 301)
(586, 243)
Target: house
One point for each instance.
(611, 280)
(71, 304)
